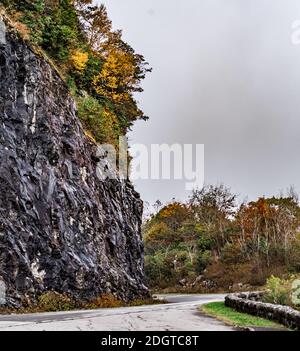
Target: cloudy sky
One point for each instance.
(226, 75)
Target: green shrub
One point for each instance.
(203, 260)
(293, 256)
(279, 291)
(232, 254)
(295, 296)
(98, 119)
(53, 301)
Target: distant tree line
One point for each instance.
(225, 243)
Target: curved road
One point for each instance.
(180, 314)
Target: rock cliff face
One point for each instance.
(60, 227)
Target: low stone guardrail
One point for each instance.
(250, 302)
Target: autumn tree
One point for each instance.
(174, 214)
(212, 207)
(122, 70)
(97, 27)
(268, 226)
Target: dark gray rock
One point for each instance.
(183, 282)
(197, 281)
(60, 227)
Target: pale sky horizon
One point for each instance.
(225, 75)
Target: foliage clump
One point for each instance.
(283, 291)
(53, 301)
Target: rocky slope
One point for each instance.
(60, 227)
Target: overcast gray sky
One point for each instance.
(225, 74)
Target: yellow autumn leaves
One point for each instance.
(79, 60)
(116, 76)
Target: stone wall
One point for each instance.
(251, 303)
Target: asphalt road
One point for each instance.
(180, 314)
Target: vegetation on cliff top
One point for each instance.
(102, 70)
(210, 243)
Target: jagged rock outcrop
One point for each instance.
(61, 228)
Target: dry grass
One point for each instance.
(54, 302)
(225, 275)
(13, 22)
